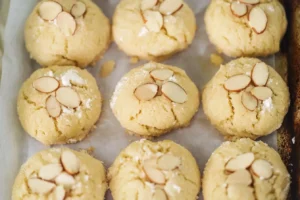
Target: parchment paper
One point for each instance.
(109, 138)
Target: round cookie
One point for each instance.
(244, 29)
(59, 105)
(246, 98)
(157, 99)
(58, 174)
(154, 170)
(67, 32)
(153, 29)
(247, 170)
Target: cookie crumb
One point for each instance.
(216, 59)
(89, 150)
(134, 60)
(107, 68)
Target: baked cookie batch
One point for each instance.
(61, 103)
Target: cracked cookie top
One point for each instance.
(59, 105)
(153, 29)
(245, 169)
(246, 98)
(67, 32)
(154, 99)
(60, 174)
(154, 170)
(246, 27)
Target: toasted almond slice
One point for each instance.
(148, 4)
(161, 74)
(40, 186)
(50, 171)
(154, 20)
(68, 97)
(242, 161)
(249, 101)
(146, 92)
(159, 194)
(59, 193)
(168, 7)
(241, 176)
(262, 168)
(168, 162)
(66, 23)
(262, 93)
(252, 2)
(238, 9)
(53, 107)
(65, 179)
(258, 20)
(78, 9)
(49, 10)
(237, 83)
(155, 175)
(174, 92)
(260, 74)
(45, 84)
(238, 192)
(70, 162)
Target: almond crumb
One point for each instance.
(216, 59)
(134, 60)
(107, 68)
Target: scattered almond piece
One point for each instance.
(169, 7)
(152, 162)
(66, 23)
(238, 192)
(65, 179)
(107, 68)
(49, 10)
(159, 194)
(40, 186)
(155, 175)
(249, 101)
(161, 74)
(258, 20)
(59, 193)
(154, 20)
(53, 107)
(45, 84)
(252, 2)
(134, 60)
(216, 59)
(262, 169)
(50, 171)
(68, 97)
(238, 9)
(168, 162)
(260, 74)
(262, 93)
(78, 9)
(70, 162)
(237, 83)
(241, 176)
(148, 4)
(174, 92)
(146, 92)
(242, 161)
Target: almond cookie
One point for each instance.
(246, 170)
(246, 27)
(67, 32)
(246, 98)
(154, 99)
(60, 174)
(154, 170)
(153, 29)
(59, 105)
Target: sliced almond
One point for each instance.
(238, 9)
(59, 193)
(146, 92)
(258, 20)
(53, 107)
(155, 175)
(159, 194)
(241, 176)
(49, 10)
(154, 20)
(65, 179)
(262, 168)
(78, 9)
(66, 23)
(237, 83)
(260, 74)
(70, 162)
(168, 7)
(40, 186)
(242, 161)
(174, 92)
(249, 101)
(239, 192)
(152, 162)
(168, 162)
(45, 84)
(68, 97)
(262, 93)
(252, 2)
(161, 74)
(148, 4)
(50, 171)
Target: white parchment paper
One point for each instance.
(109, 138)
